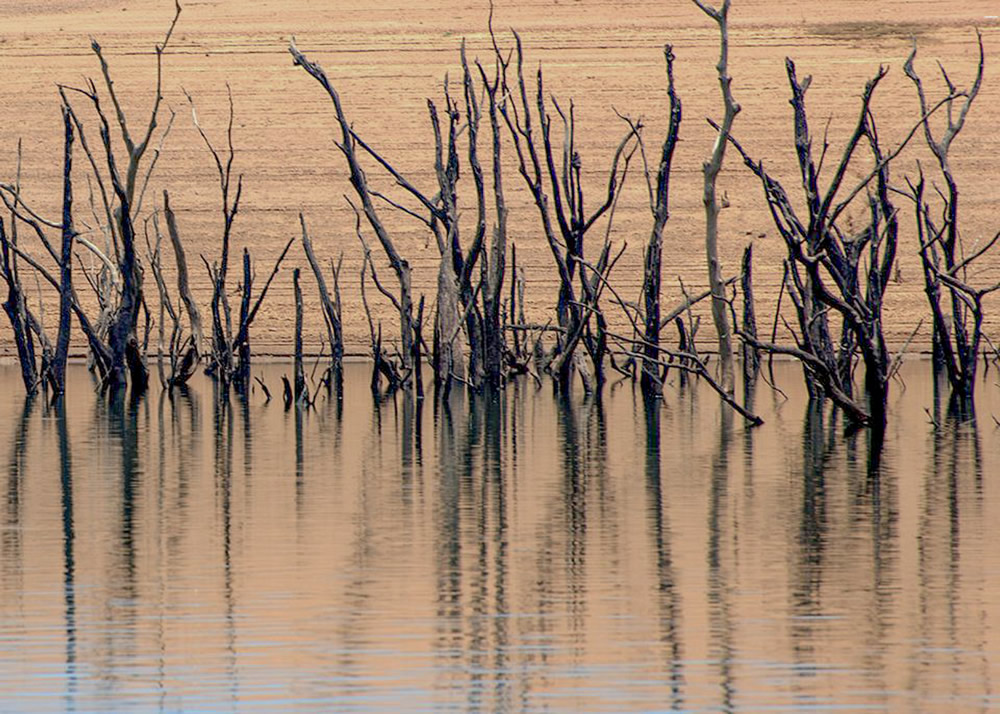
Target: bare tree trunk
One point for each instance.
(122, 333)
(493, 263)
(58, 376)
(248, 312)
(183, 286)
(651, 381)
(447, 324)
(301, 394)
(751, 355)
(399, 266)
(448, 358)
(241, 345)
(331, 310)
(711, 168)
(17, 310)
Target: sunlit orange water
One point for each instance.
(516, 553)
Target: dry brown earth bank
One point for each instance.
(386, 58)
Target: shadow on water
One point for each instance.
(456, 437)
(819, 441)
(584, 455)
(490, 639)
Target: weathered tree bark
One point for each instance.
(448, 358)
(301, 393)
(711, 169)
(17, 312)
(183, 281)
(57, 380)
(651, 380)
(164, 345)
(751, 355)
(122, 332)
(492, 263)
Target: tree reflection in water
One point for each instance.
(504, 550)
(668, 602)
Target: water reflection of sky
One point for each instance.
(509, 553)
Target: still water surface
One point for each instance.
(516, 553)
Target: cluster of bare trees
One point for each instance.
(120, 163)
(479, 338)
(114, 312)
(500, 118)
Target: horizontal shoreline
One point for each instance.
(9, 360)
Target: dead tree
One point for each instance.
(16, 307)
(448, 357)
(956, 305)
(164, 342)
(750, 354)
(222, 358)
(711, 169)
(299, 392)
(191, 356)
(57, 380)
(348, 147)
(518, 354)
(553, 178)
(651, 379)
(27, 327)
(229, 361)
(383, 365)
(121, 185)
(492, 262)
(331, 307)
(832, 270)
(182, 348)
